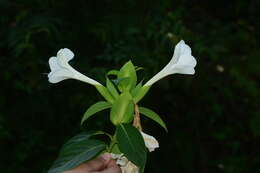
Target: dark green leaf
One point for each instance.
(131, 143)
(80, 137)
(76, 151)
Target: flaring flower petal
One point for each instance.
(182, 62)
(65, 55)
(61, 70)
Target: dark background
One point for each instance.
(213, 117)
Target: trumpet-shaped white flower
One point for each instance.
(182, 62)
(61, 70)
(150, 142)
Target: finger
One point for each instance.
(79, 169)
(112, 169)
(111, 163)
(99, 163)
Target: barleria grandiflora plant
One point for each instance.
(128, 144)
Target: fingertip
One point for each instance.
(96, 164)
(106, 157)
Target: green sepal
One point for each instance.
(131, 144)
(111, 88)
(122, 110)
(135, 91)
(152, 115)
(122, 84)
(105, 93)
(118, 80)
(112, 72)
(138, 68)
(97, 107)
(128, 70)
(140, 93)
(115, 149)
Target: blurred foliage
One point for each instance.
(213, 117)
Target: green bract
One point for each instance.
(129, 74)
(112, 89)
(122, 110)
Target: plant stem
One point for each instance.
(137, 120)
(112, 143)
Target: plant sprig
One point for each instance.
(122, 96)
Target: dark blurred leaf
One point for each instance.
(76, 151)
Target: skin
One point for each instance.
(102, 164)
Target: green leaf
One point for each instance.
(111, 88)
(122, 110)
(99, 106)
(76, 151)
(152, 115)
(140, 93)
(136, 90)
(128, 70)
(131, 143)
(80, 137)
(105, 93)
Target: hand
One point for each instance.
(102, 164)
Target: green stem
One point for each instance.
(112, 143)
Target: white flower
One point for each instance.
(130, 168)
(150, 142)
(61, 70)
(125, 165)
(182, 62)
(120, 159)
